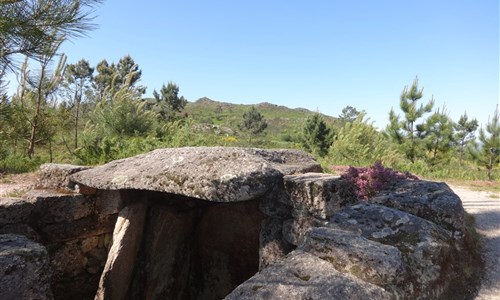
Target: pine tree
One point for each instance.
(253, 123)
(29, 27)
(317, 136)
(115, 76)
(104, 77)
(168, 102)
(349, 114)
(438, 136)
(487, 154)
(464, 133)
(78, 77)
(33, 97)
(125, 67)
(405, 132)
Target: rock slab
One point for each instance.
(24, 269)
(301, 275)
(211, 173)
(118, 270)
(56, 176)
(434, 201)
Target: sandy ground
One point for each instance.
(485, 206)
(17, 184)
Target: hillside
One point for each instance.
(283, 122)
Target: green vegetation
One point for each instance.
(84, 114)
(488, 154)
(30, 27)
(317, 136)
(407, 133)
(253, 123)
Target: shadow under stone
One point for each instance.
(195, 249)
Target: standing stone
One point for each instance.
(127, 235)
(24, 269)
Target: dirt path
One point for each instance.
(16, 184)
(485, 206)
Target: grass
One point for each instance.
(16, 193)
(282, 121)
(5, 178)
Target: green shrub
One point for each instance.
(15, 163)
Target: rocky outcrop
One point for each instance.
(240, 223)
(351, 253)
(423, 250)
(301, 275)
(75, 230)
(24, 269)
(214, 174)
(405, 256)
(434, 201)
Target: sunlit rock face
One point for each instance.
(235, 223)
(215, 174)
(214, 218)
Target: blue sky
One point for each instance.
(320, 55)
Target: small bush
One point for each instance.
(367, 181)
(15, 163)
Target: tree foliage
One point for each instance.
(405, 131)
(33, 99)
(464, 133)
(125, 73)
(253, 123)
(438, 137)
(349, 114)
(28, 27)
(317, 136)
(78, 77)
(168, 102)
(487, 153)
(360, 143)
(123, 116)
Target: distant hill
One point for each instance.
(283, 122)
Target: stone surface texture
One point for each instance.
(214, 174)
(56, 176)
(75, 229)
(351, 253)
(434, 201)
(425, 248)
(15, 210)
(301, 275)
(127, 234)
(273, 244)
(24, 269)
(318, 195)
(241, 223)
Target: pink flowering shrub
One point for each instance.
(367, 181)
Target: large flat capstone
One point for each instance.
(212, 173)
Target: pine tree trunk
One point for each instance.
(77, 109)
(36, 117)
(31, 142)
